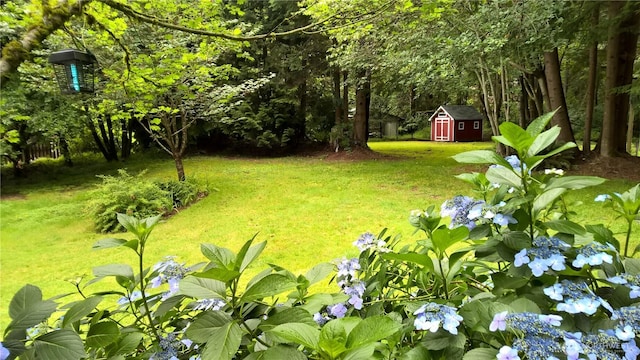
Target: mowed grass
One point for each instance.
(308, 209)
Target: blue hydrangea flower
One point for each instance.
(209, 304)
(320, 319)
(170, 348)
(349, 283)
(554, 292)
(602, 198)
(337, 310)
(348, 268)
(170, 272)
(626, 333)
(430, 316)
(507, 353)
(577, 298)
(593, 254)
(4, 352)
(504, 219)
(545, 253)
(369, 241)
(458, 210)
(630, 281)
(572, 345)
(125, 300)
(499, 322)
(631, 350)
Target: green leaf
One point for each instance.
(481, 354)
(415, 258)
(561, 148)
(546, 198)
(521, 305)
(202, 288)
(223, 343)
(632, 266)
(127, 343)
(102, 334)
(333, 339)
(219, 273)
(123, 270)
(27, 308)
(251, 254)
(514, 136)
(108, 243)
(565, 226)
(539, 124)
(574, 182)
(504, 176)
(59, 345)
(283, 352)
(80, 310)
(504, 281)
(543, 140)
(218, 255)
(480, 157)
(364, 352)
(443, 238)
(288, 316)
(319, 272)
(372, 329)
(200, 330)
(269, 285)
(298, 333)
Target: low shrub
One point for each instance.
(138, 196)
(509, 276)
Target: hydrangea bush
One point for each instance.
(506, 274)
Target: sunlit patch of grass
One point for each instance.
(309, 210)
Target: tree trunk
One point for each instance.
(337, 99)
(345, 96)
(127, 127)
(177, 158)
(556, 96)
(523, 121)
(621, 52)
(630, 128)
(64, 149)
(591, 87)
(361, 119)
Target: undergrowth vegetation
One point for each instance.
(503, 275)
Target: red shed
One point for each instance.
(456, 123)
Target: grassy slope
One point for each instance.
(308, 209)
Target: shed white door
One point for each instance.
(442, 129)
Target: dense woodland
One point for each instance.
(275, 75)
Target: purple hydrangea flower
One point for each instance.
(170, 272)
(338, 310)
(631, 350)
(458, 210)
(499, 322)
(507, 353)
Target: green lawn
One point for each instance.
(309, 209)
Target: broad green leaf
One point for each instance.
(574, 182)
(27, 308)
(298, 333)
(517, 240)
(223, 342)
(80, 310)
(252, 253)
(102, 334)
(504, 176)
(443, 339)
(415, 258)
(632, 266)
(319, 272)
(269, 285)
(514, 136)
(219, 273)
(168, 305)
(481, 354)
(333, 339)
(561, 148)
(543, 140)
(546, 198)
(364, 352)
(123, 270)
(59, 345)
(108, 243)
(539, 124)
(288, 316)
(444, 238)
(416, 353)
(218, 255)
(565, 226)
(522, 305)
(283, 352)
(372, 329)
(126, 344)
(201, 328)
(315, 302)
(504, 281)
(203, 288)
(480, 157)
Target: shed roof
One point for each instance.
(460, 112)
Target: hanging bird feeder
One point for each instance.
(74, 71)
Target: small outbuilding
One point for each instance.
(456, 123)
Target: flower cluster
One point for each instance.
(546, 253)
(458, 210)
(542, 339)
(369, 241)
(430, 316)
(170, 347)
(576, 298)
(335, 311)
(209, 304)
(593, 254)
(348, 281)
(485, 213)
(630, 281)
(515, 163)
(170, 272)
